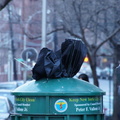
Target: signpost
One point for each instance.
(28, 55)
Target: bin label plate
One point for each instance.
(59, 105)
(76, 105)
(29, 105)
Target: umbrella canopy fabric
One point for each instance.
(66, 62)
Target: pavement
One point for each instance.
(107, 86)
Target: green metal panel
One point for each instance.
(57, 87)
(58, 99)
(76, 105)
(33, 105)
(65, 117)
(58, 105)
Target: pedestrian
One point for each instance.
(83, 77)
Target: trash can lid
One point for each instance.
(58, 87)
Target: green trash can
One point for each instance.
(58, 99)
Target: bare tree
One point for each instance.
(96, 23)
(91, 21)
(87, 20)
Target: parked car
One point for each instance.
(7, 87)
(7, 93)
(6, 108)
(7, 99)
(105, 73)
(10, 85)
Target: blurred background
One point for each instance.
(26, 26)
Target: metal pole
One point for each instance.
(10, 66)
(25, 69)
(110, 90)
(24, 44)
(12, 49)
(44, 4)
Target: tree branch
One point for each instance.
(107, 39)
(36, 37)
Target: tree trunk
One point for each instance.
(92, 60)
(94, 73)
(116, 104)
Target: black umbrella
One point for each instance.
(73, 54)
(66, 62)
